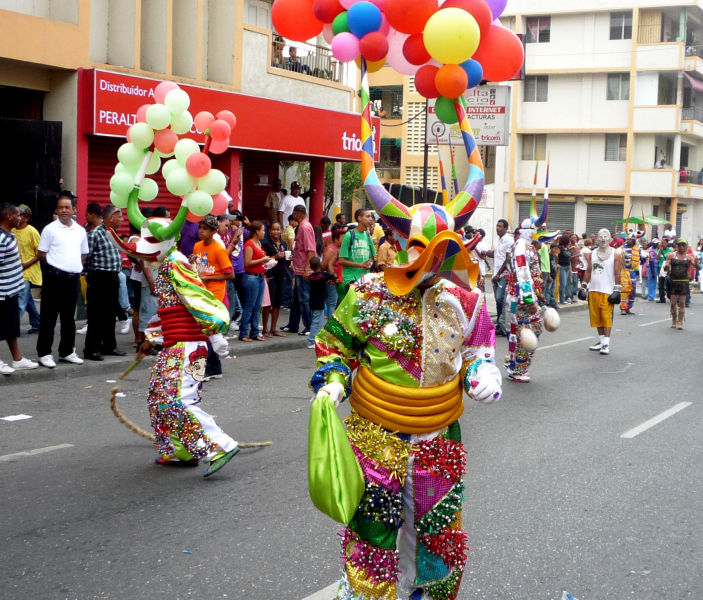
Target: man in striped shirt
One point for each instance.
(11, 285)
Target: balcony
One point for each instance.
(662, 56)
(656, 118)
(690, 184)
(653, 182)
(307, 59)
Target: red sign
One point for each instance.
(262, 124)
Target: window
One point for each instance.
(534, 146)
(536, 88)
(621, 26)
(387, 101)
(538, 30)
(618, 86)
(615, 146)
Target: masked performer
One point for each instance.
(419, 336)
(630, 272)
(677, 265)
(602, 283)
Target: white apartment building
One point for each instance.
(613, 93)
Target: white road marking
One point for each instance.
(627, 366)
(324, 594)
(9, 457)
(630, 433)
(16, 417)
(583, 339)
(654, 322)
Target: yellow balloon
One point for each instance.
(451, 35)
(372, 66)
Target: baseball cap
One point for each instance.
(25, 210)
(210, 221)
(682, 241)
(295, 184)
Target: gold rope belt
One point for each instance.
(406, 409)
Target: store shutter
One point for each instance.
(560, 217)
(679, 216)
(599, 216)
(259, 171)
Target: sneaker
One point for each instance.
(123, 326)
(234, 327)
(24, 364)
(567, 301)
(605, 349)
(83, 330)
(311, 346)
(6, 369)
(288, 329)
(47, 361)
(597, 346)
(71, 358)
(304, 332)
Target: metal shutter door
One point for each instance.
(560, 216)
(599, 216)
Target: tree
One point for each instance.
(351, 183)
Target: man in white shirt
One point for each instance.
(290, 201)
(670, 232)
(503, 245)
(63, 247)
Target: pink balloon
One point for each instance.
(202, 120)
(220, 130)
(141, 113)
(385, 27)
(162, 89)
(395, 56)
(228, 117)
(165, 140)
(219, 146)
(345, 46)
(347, 4)
(198, 164)
(219, 204)
(327, 33)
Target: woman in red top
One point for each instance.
(330, 262)
(253, 283)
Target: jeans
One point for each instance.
(253, 295)
(563, 284)
(303, 291)
(499, 293)
(123, 294)
(652, 288)
(549, 287)
(331, 300)
(573, 284)
(287, 298)
(235, 308)
(317, 320)
(26, 302)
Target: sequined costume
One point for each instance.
(188, 313)
(524, 285)
(628, 277)
(414, 355)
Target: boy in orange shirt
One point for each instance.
(212, 262)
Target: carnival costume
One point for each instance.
(628, 278)
(418, 336)
(678, 269)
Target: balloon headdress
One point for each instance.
(159, 133)
(449, 47)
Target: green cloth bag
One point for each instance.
(335, 479)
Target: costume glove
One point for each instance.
(334, 390)
(485, 384)
(219, 344)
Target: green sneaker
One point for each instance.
(219, 461)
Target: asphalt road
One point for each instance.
(556, 499)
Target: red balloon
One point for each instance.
(414, 50)
(374, 46)
(409, 17)
(198, 164)
(500, 53)
(477, 8)
(162, 89)
(165, 140)
(219, 204)
(218, 146)
(141, 113)
(326, 10)
(451, 81)
(219, 130)
(425, 81)
(295, 19)
(228, 117)
(193, 218)
(202, 120)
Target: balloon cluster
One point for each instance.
(156, 135)
(448, 45)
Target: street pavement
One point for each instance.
(556, 499)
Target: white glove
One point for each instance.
(485, 384)
(334, 390)
(219, 344)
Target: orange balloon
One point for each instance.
(451, 81)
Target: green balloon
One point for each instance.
(445, 111)
(130, 155)
(169, 166)
(154, 164)
(184, 148)
(213, 183)
(119, 201)
(158, 116)
(141, 135)
(199, 202)
(340, 23)
(179, 182)
(181, 122)
(122, 184)
(148, 190)
(177, 101)
(122, 168)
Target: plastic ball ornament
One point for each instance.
(528, 340)
(551, 319)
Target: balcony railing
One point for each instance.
(313, 60)
(690, 176)
(692, 113)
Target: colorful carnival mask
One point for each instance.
(148, 247)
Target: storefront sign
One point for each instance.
(262, 124)
(488, 109)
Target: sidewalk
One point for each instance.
(112, 366)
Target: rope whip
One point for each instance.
(138, 430)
